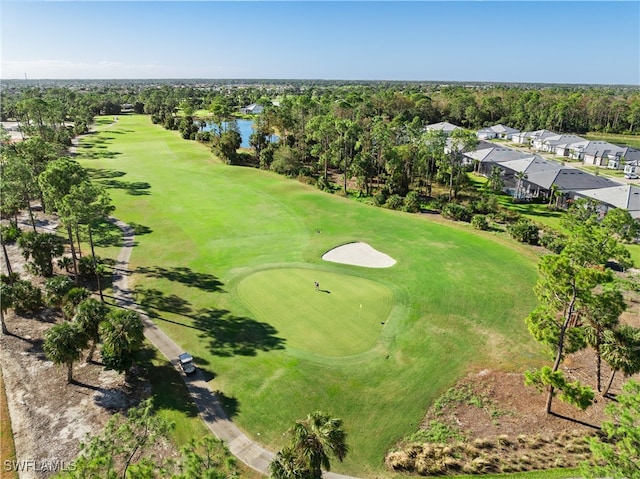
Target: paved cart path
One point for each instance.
(211, 411)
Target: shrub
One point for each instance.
(553, 241)
(394, 202)
(485, 205)
(480, 222)
(10, 233)
(524, 231)
(27, 298)
(86, 267)
(411, 202)
(456, 211)
(56, 288)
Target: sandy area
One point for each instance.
(359, 254)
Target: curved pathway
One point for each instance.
(211, 411)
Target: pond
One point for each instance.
(244, 126)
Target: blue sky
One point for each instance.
(503, 41)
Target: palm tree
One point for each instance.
(495, 180)
(89, 314)
(313, 441)
(63, 344)
(520, 176)
(287, 465)
(122, 337)
(600, 316)
(621, 350)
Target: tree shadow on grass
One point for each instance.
(153, 300)
(103, 173)
(229, 335)
(105, 234)
(136, 188)
(186, 276)
(168, 388)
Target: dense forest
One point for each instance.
(370, 134)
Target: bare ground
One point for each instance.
(50, 417)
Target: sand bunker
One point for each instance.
(359, 254)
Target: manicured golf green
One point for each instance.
(343, 317)
(225, 260)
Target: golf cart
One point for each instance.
(186, 363)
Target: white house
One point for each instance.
(443, 126)
(632, 168)
(497, 131)
(550, 143)
(253, 109)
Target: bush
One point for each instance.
(10, 233)
(553, 241)
(524, 231)
(56, 288)
(411, 202)
(286, 161)
(27, 298)
(394, 202)
(456, 211)
(485, 205)
(480, 222)
(86, 268)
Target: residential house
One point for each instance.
(623, 157)
(443, 126)
(620, 196)
(497, 131)
(253, 109)
(531, 137)
(517, 172)
(486, 158)
(566, 180)
(632, 168)
(561, 142)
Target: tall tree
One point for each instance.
(600, 316)
(57, 181)
(460, 142)
(568, 286)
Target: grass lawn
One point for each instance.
(225, 260)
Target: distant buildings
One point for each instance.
(529, 175)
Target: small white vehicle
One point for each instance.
(631, 176)
(186, 363)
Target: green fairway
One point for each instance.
(344, 317)
(225, 259)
